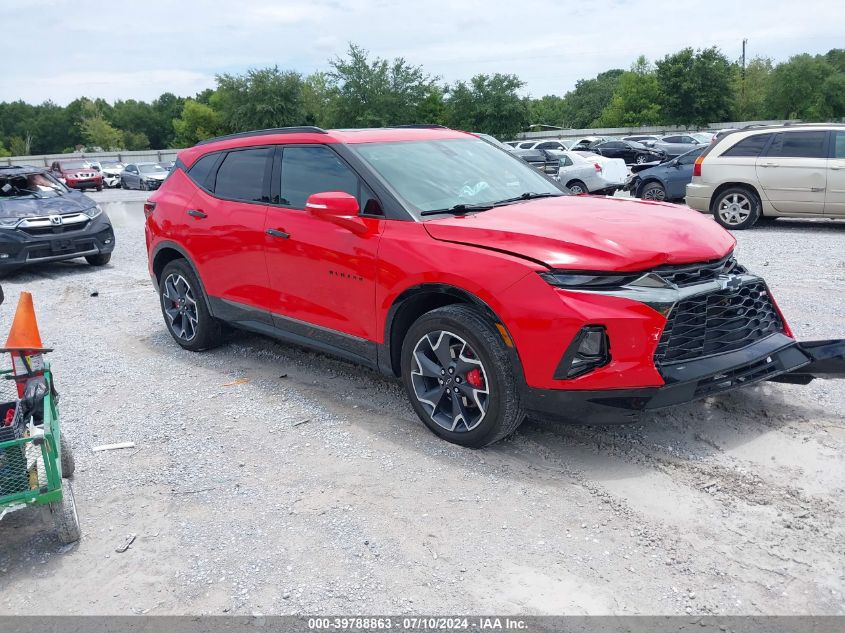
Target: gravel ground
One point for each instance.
(270, 479)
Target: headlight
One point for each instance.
(588, 280)
(9, 223)
(94, 211)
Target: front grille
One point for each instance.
(55, 229)
(691, 274)
(717, 322)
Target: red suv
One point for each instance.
(77, 174)
(430, 255)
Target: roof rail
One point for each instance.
(301, 129)
(421, 126)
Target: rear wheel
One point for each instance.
(653, 191)
(576, 187)
(460, 378)
(99, 260)
(737, 208)
(65, 518)
(185, 308)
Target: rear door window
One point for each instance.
(241, 175)
(799, 145)
(751, 146)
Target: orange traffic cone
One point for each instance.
(24, 343)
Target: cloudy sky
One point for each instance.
(141, 48)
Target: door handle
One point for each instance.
(769, 165)
(277, 233)
(835, 167)
(196, 213)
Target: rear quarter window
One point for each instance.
(799, 145)
(202, 168)
(750, 146)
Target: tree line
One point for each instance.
(688, 88)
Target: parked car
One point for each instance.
(542, 160)
(704, 137)
(77, 173)
(645, 139)
(629, 151)
(587, 143)
(143, 176)
(111, 173)
(435, 258)
(666, 181)
(677, 144)
(556, 144)
(582, 172)
(42, 220)
(768, 172)
(168, 165)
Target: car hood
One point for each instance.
(155, 176)
(591, 233)
(30, 207)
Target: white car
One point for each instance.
(110, 171)
(768, 172)
(550, 144)
(585, 172)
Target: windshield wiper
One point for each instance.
(528, 195)
(459, 209)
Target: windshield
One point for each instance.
(111, 165)
(75, 164)
(151, 169)
(40, 185)
(443, 174)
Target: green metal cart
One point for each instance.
(35, 459)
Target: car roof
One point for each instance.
(20, 170)
(309, 134)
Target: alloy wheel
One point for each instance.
(735, 208)
(576, 189)
(180, 306)
(450, 381)
(655, 193)
(640, 159)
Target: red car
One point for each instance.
(430, 255)
(77, 174)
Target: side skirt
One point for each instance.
(357, 350)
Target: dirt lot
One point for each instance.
(269, 479)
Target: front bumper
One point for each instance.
(19, 247)
(84, 183)
(777, 357)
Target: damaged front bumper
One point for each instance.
(827, 360)
(777, 358)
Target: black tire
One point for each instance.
(68, 462)
(653, 191)
(640, 159)
(502, 411)
(142, 186)
(189, 323)
(123, 184)
(575, 185)
(100, 188)
(737, 208)
(65, 518)
(98, 260)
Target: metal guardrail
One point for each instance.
(142, 156)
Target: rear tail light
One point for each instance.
(598, 168)
(149, 207)
(696, 168)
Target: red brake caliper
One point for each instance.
(475, 378)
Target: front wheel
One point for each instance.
(65, 518)
(653, 191)
(641, 158)
(737, 208)
(185, 309)
(460, 378)
(68, 462)
(99, 260)
(142, 186)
